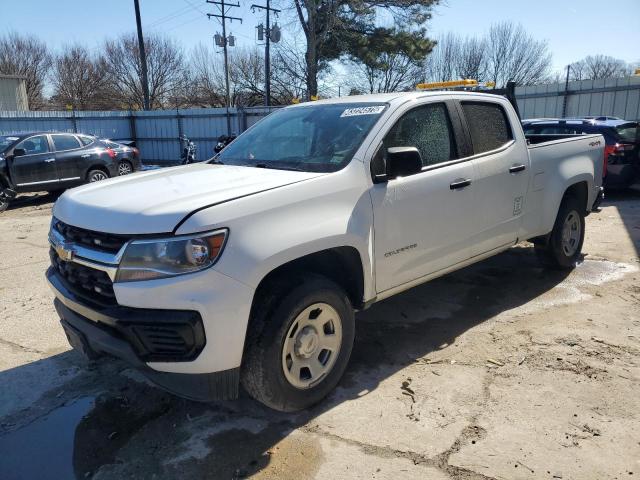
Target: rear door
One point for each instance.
(36, 169)
(70, 156)
(502, 173)
(423, 222)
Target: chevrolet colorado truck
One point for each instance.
(247, 269)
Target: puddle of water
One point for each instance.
(44, 449)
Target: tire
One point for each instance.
(96, 175)
(125, 168)
(4, 204)
(285, 338)
(564, 247)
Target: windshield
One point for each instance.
(7, 141)
(628, 132)
(314, 138)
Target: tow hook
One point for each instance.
(7, 194)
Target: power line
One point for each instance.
(223, 42)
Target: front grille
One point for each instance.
(89, 283)
(105, 242)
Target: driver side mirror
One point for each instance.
(19, 152)
(400, 162)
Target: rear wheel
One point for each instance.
(96, 175)
(4, 204)
(125, 168)
(302, 345)
(564, 246)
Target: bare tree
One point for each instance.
(207, 88)
(79, 79)
(471, 60)
(440, 65)
(514, 55)
(594, 67)
(165, 68)
(27, 56)
(391, 72)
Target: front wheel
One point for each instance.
(564, 247)
(302, 348)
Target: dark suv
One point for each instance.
(622, 138)
(45, 161)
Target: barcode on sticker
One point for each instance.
(352, 112)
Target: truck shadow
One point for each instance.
(127, 428)
(626, 202)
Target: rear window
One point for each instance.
(628, 132)
(488, 125)
(65, 142)
(85, 140)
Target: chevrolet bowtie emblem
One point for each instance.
(65, 251)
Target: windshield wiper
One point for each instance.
(279, 167)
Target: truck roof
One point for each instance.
(396, 97)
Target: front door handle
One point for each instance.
(460, 183)
(49, 160)
(86, 156)
(517, 168)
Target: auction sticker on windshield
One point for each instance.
(352, 112)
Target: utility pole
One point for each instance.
(223, 42)
(143, 58)
(271, 34)
(565, 99)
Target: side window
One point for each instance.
(428, 128)
(86, 140)
(65, 142)
(34, 145)
(488, 125)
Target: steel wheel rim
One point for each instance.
(97, 176)
(312, 345)
(124, 169)
(571, 231)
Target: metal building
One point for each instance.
(13, 93)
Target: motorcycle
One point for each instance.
(223, 141)
(189, 149)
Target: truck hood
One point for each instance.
(156, 201)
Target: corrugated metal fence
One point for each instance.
(617, 97)
(156, 132)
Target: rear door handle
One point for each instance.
(86, 155)
(49, 160)
(517, 168)
(460, 183)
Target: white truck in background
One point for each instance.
(247, 269)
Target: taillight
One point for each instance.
(111, 152)
(136, 152)
(608, 150)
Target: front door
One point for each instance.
(423, 222)
(36, 168)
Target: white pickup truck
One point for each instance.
(247, 269)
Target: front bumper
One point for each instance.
(139, 336)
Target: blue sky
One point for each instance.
(573, 29)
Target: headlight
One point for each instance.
(168, 257)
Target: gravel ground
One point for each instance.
(500, 371)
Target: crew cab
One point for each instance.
(247, 269)
(46, 161)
